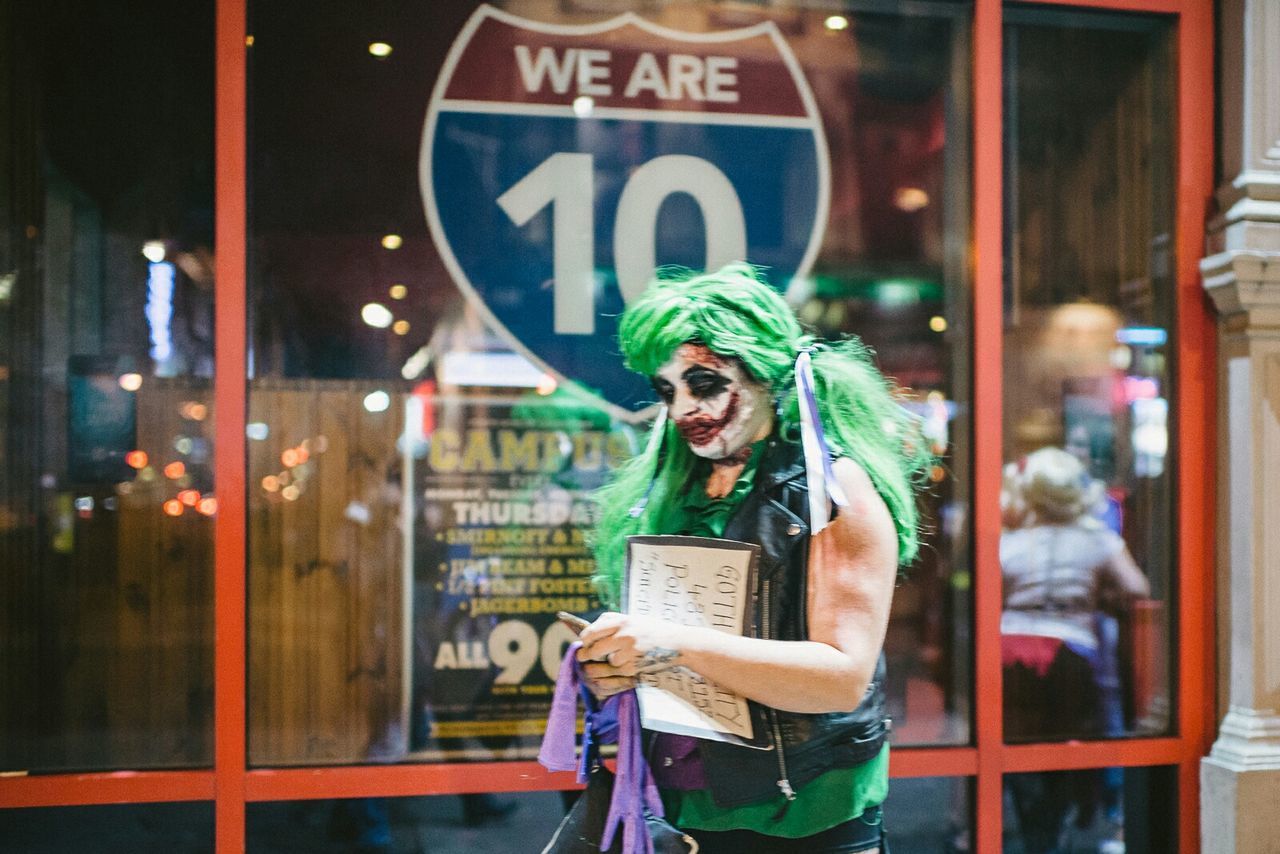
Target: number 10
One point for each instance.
(565, 181)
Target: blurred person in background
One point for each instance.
(1064, 572)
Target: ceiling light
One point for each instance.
(376, 315)
(910, 199)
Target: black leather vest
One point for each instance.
(775, 515)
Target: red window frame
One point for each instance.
(230, 784)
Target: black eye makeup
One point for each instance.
(704, 382)
(664, 389)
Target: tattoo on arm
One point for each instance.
(658, 658)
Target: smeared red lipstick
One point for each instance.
(700, 430)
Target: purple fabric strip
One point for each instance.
(680, 766)
(812, 402)
(558, 743)
(618, 718)
(634, 789)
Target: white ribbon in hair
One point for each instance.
(823, 486)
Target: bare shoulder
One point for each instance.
(866, 519)
(853, 565)
(857, 486)
(852, 476)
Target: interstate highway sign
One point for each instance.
(561, 164)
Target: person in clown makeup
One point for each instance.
(773, 438)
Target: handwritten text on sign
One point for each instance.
(692, 581)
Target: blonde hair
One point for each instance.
(1056, 486)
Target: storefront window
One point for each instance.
(922, 814)
(114, 829)
(432, 397)
(480, 823)
(1087, 550)
(930, 814)
(107, 496)
(1107, 810)
(430, 218)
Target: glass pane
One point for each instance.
(892, 271)
(106, 364)
(1087, 549)
(481, 824)
(115, 829)
(929, 814)
(423, 439)
(925, 814)
(1100, 811)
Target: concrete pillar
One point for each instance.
(1240, 779)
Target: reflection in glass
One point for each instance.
(403, 580)
(929, 814)
(116, 829)
(480, 824)
(1067, 576)
(892, 271)
(925, 814)
(491, 574)
(106, 362)
(1089, 298)
(1098, 811)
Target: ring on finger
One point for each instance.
(608, 659)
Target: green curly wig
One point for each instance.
(738, 315)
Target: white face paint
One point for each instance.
(716, 405)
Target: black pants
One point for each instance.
(1061, 704)
(864, 833)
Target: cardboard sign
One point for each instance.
(694, 581)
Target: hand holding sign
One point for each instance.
(684, 581)
(629, 645)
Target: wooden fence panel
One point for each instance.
(325, 588)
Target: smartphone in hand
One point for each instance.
(575, 623)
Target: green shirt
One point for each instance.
(836, 797)
(833, 798)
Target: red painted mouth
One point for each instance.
(700, 430)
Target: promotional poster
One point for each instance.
(502, 516)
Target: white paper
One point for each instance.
(695, 582)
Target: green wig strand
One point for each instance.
(738, 315)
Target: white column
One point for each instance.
(1240, 779)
